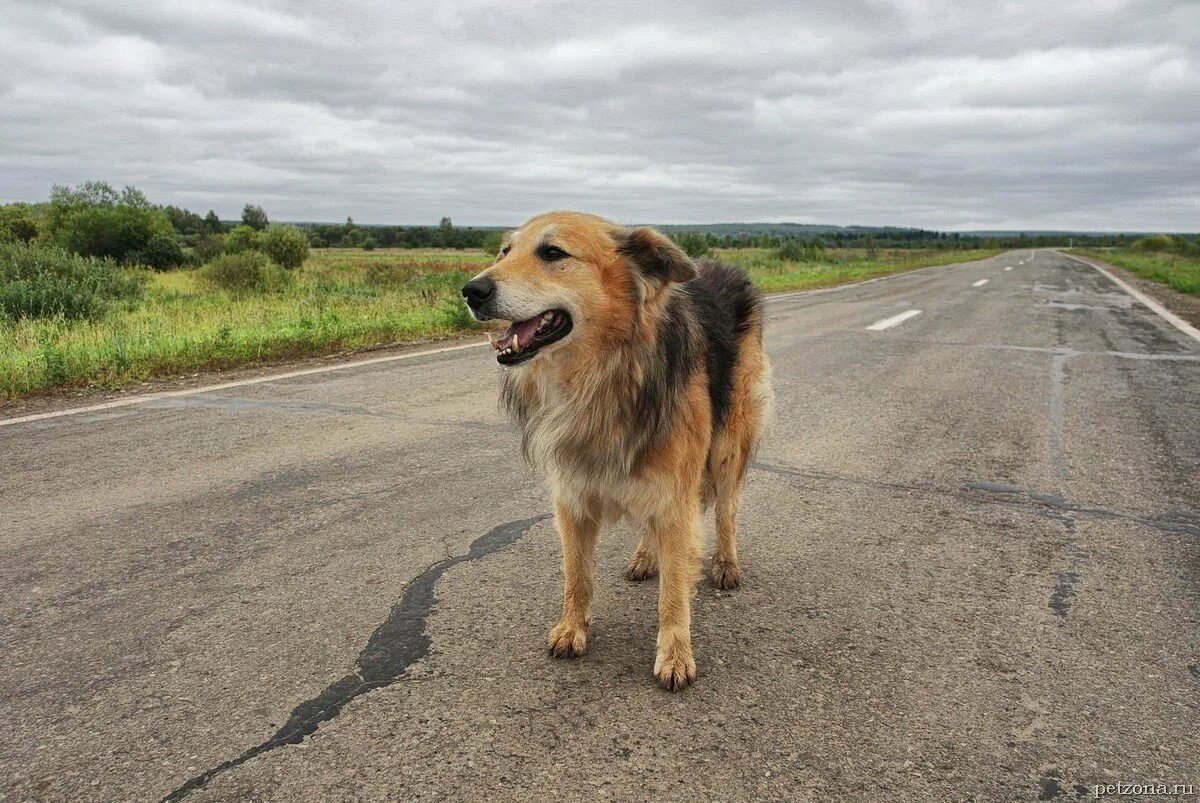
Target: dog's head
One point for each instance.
(567, 278)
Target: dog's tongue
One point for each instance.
(519, 335)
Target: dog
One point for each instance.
(638, 381)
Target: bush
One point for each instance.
(369, 243)
(1155, 242)
(493, 243)
(242, 238)
(17, 224)
(209, 246)
(791, 250)
(244, 272)
(46, 281)
(287, 246)
(160, 252)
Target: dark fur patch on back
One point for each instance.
(726, 306)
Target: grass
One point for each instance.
(1177, 272)
(340, 300)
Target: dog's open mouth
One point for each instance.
(523, 339)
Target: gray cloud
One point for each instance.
(950, 115)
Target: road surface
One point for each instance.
(971, 544)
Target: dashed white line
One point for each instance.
(888, 323)
(980, 283)
(1010, 267)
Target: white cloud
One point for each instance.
(938, 114)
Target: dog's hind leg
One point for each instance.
(732, 450)
(644, 563)
(579, 531)
(728, 466)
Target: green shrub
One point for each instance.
(245, 272)
(209, 246)
(160, 252)
(1155, 242)
(242, 238)
(369, 243)
(287, 246)
(791, 250)
(493, 243)
(17, 224)
(46, 281)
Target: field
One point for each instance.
(1180, 273)
(342, 299)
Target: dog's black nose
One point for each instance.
(478, 291)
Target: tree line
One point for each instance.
(94, 219)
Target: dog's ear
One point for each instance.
(656, 255)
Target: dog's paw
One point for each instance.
(725, 573)
(567, 640)
(641, 567)
(675, 668)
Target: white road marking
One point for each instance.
(979, 283)
(1159, 309)
(258, 380)
(1010, 267)
(888, 323)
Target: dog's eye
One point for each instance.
(551, 253)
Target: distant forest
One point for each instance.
(95, 219)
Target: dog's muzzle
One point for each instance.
(479, 292)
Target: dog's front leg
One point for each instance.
(678, 539)
(578, 530)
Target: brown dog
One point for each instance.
(640, 386)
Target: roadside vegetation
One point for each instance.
(102, 288)
(1173, 261)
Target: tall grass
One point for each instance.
(1181, 273)
(340, 300)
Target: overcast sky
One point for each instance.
(953, 115)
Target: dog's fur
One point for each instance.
(650, 408)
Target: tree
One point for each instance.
(254, 217)
(287, 246)
(212, 223)
(184, 220)
(445, 224)
(95, 220)
(694, 244)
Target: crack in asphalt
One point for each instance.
(394, 646)
(1052, 506)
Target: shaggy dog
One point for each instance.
(639, 383)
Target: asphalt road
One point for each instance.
(971, 544)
